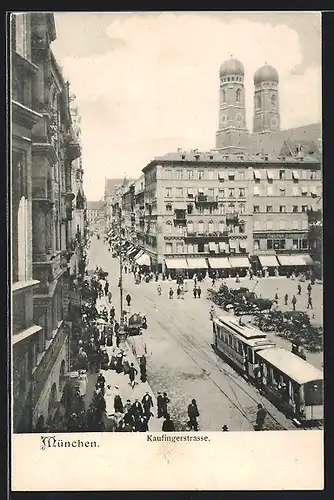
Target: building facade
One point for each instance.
(93, 213)
(43, 355)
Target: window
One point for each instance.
(242, 208)
(221, 226)
(295, 224)
(304, 244)
(221, 176)
(190, 209)
(190, 248)
(238, 95)
(269, 244)
(256, 225)
(269, 209)
(201, 174)
(200, 226)
(211, 175)
(211, 192)
(200, 210)
(169, 207)
(282, 191)
(179, 247)
(269, 224)
(231, 193)
(304, 224)
(273, 101)
(295, 244)
(256, 209)
(190, 193)
(304, 208)
(224, 96)
(20, 28)
(312, 175)
(295, 175)
(169, 227)
(190, 174)
(282, 209)
(256, 191)
(211, 226)
(304, 190)
(169, 248)
(19, 216)
(168, 192)
(190, 226)
(168, 174)
(212, 210)
(221, 208)
(241, 192)
(221, 193)
(241, 228)
(295, 191)
(256, 244)
(231, 176)
(294, 208)
(281, 175)
(179, 192)
(258, 102)
(200, 247)
(282, 224)
(231, 208)
(179, 174)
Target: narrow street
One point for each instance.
(178, 339)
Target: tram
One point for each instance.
(292, 384)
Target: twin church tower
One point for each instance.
(232, 113)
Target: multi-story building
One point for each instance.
(111, 186)
(42, 357)
(93, 212)
(128, 212)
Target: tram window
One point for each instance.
(229, 340)
(240, 350)
(250, 355)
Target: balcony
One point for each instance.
(46, 272)
(207, 234)
(232, 218)
(205, 200)
(42, 189)
(72, 147)
(180, 218)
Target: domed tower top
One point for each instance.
(266, 74)
(231, 67)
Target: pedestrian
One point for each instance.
(237, 278)
(309, 288)
(132, 375)
(109, 297)
(127, 406)
(137, 409)
(147, 403)
(299, 288)
(112, 312)
(178, 292)
(286, 298)
(118, 404)
(213, 281)
(212, 312)
(165, 401)
(160, 405)
(193, 413)
(159, 289)
(143, 424)
(142, 367)
(128, 299)
(195, 292)
(199, 291)
(294, 302)
(276, 295)
(106, 288)
(225, 428)
(260, 417)
(168, 424)
(125, 269)
(171, 293)
(309, 302)
(119, 362)
(116, 327)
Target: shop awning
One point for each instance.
(197, 263)
(212, 246)
(222, 246)
(239, 262)
(268, 260)
(291, 260)
(219, 263)
(176, 263)
(144, 260)
(308, 260)
(234, 244)
(139, 254)
(132, 251)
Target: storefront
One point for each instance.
(220, 265)
(198, 266)
(269, 264)
(239, 265)
(174, 267)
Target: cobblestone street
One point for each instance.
(181, 360)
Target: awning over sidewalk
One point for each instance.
(144, 260)
(239, 261)
(308, 260)
(197, 263)
(176, 263)
(219, 263)
(132, 251)
(139, 254)
(268, 260)
(291, 260)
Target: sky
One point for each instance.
(148, 83)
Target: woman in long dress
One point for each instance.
(83, 380)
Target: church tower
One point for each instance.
(232, 113)
(266, 102)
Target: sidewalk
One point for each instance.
(122, 382)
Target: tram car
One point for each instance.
(239, 343)
(135, 324)
(291, 383)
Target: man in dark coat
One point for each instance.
(137, 409)
(112, 312)
(165, 401)
(118, 404)
(128, 299)
(193, 413)
(160, 405)
(132, 375)
(199, 291)
(168, 424)
(260, 417)
(147, 403)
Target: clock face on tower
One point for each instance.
(223, 120)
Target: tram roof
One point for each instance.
(247, 331)
(294, 367)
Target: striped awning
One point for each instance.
(291, 260)
(239, 261)
(176, 263)
(268, 260)
(139, 254)
(219, 263)
(197, 263)
(144, 260)
(130, 249)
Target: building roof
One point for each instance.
(266, 74)
(231, 67)
(95, 205)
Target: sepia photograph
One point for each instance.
(166, 235)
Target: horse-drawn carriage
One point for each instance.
(135, 324)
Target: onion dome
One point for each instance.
(266, 74)
(231, 67)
